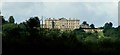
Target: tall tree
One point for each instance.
(108, 25)
(11, 19)
(92, 26)
(33, 22)
(84, 22)
(3, 20)
(108, 29)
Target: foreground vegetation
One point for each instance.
(29, 38)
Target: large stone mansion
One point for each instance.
(68, 24)
(62, 23)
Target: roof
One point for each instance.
(62, 19)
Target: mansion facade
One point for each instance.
(68, 24)
(62, 23)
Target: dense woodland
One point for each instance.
(29, 38)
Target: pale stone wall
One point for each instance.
(62, 24)
(93, 30)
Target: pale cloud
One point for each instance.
(0, 4)
(93, 12)
(21, 11)
(60, 0)
(109, 11)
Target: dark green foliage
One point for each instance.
(108, 30)
(9, 30)
(28, 37)
(3, 20)
(11, 19)
(92, 26)
(33, 22)
(84, 22)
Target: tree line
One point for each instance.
(28, 37)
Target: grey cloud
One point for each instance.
(93, 12)
(60, 0)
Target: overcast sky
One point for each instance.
(60, 0)
(93, 12)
